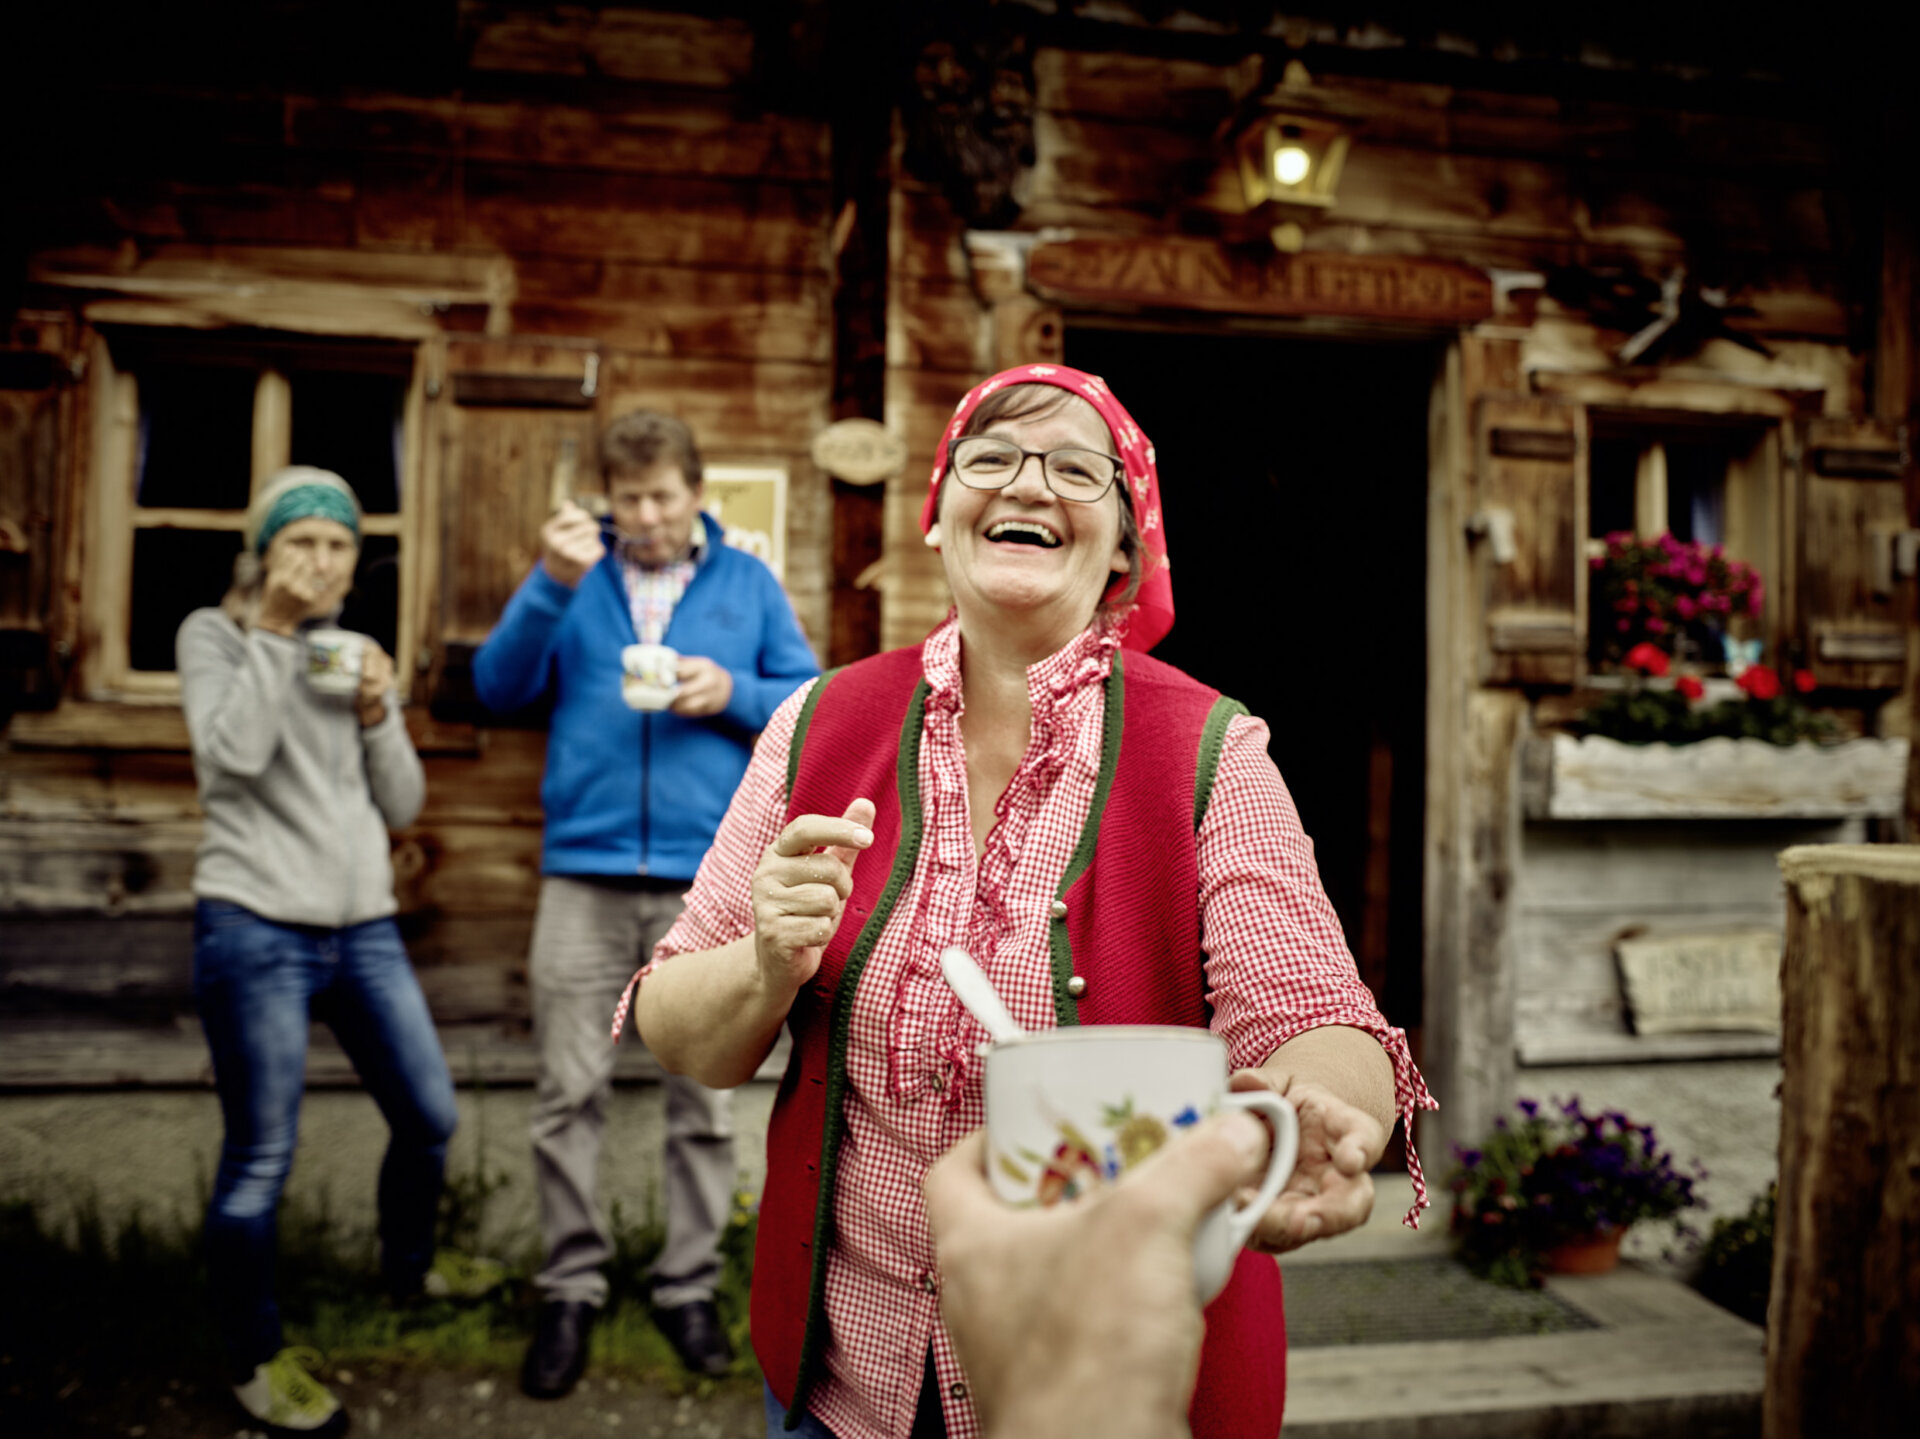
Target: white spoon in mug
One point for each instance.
(968, 981)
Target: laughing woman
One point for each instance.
(974, 791)
(294, 921)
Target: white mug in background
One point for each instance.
(1071, 1109)
(334, 661)
(649, 676)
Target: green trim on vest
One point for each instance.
(1066, 1009)
(800, 724)
(1213, 739)
(906, 784)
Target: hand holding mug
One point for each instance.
(705, 687)
(376, 678)
(800, 890)
(1083, 1318)
(570, 544)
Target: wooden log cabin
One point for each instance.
(1573, 275)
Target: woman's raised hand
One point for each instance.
(290, 591)
(800, 890)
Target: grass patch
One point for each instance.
(83, 1300)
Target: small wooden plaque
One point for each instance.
(861, 452)
(1686, 983)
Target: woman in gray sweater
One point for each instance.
(294, 919)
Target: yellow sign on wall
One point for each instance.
(750, 501)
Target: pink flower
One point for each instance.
(1753, 597)
(1690, 687)
(1684, 607)
(1656, 625)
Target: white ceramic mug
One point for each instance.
(649, 676)
(1071, 1109)
(334, 660)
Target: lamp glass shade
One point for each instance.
(1290, 160)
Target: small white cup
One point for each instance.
(334, 660)
(649, 676)
(1071, 1109)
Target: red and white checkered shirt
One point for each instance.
(654, 591)
(1277, 965)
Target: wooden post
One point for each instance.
(1843, 1349)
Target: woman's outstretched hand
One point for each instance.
(1331, 1190)
(800, 890)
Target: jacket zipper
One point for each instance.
(646, 788)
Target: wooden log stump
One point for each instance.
(1843, 1344)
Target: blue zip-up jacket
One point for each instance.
(634, 792)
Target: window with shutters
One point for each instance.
(187, 428)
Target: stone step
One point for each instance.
(1662, 1361)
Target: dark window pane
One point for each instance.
(373, 606)
(350, 423)
(175, 572)
(1610, 485)
(196, 438)
(1697, 492)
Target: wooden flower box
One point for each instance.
(1591, 778)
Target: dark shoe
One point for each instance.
(558, 1355)
(696, 1336)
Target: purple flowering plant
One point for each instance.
(1554, 1175)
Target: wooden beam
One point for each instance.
(1843, 1352)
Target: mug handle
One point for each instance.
(1285, 1125)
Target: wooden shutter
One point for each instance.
(32, 411)
(1531, 466)
(1849, 606)
(519, 434)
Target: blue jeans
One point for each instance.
(257, 985)
(810, 1427)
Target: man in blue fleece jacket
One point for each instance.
(632, 800)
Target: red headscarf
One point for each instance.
(1152, 613)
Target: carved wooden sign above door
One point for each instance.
(1186, 274)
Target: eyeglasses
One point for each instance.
(986, 462)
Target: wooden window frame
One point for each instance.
(1756, 496)
(113, 516)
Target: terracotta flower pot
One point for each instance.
(1595, 1254)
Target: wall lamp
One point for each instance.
(1291, 160)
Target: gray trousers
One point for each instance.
(588, 938)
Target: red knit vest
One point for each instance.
(1136, 945)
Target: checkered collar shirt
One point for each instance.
(654, 591)
(1277, 966)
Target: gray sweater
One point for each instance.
(298, 797)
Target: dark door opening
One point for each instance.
(1294, 485)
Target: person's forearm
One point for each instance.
(710, 1016)
(1114, 1399)
(394, 772)
(1347, 1062)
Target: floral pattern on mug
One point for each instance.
(1079, 1165)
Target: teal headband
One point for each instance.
(307, 502)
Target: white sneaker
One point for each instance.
(288, 1400)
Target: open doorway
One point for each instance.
(1294, 479)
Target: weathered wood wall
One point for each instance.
(549, 182)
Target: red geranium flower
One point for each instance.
(1690, 686)
(1648, 659)
(1760, 682)
(1804, 681)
